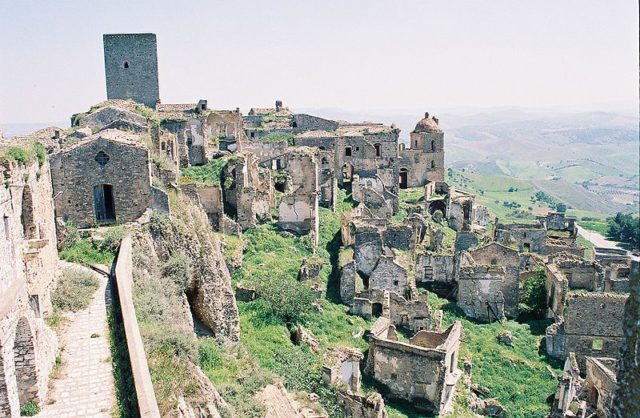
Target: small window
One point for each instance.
(347, 151)
(527, 247)
(433, 145)
(597, 344)
(394, 376)
(102, 158)
(378, 150)
(5, 218)
(415, 143)
(126, 64)
(253, 135)
(163, 146)
(395, 282)
(433, 164)
(357, 148)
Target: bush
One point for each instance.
(287, 300)
(85, 252)
(29, 409)
(210, 173)
(533, 297)
(111, 239)
(177, 268)
(74, 291)
(277, 137)
(561, 207)
(17, 154)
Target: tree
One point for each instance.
(287, 300)
(561, 207)
(533, 297)
(625, 227)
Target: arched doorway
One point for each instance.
(437, 205)
(404, 178)
(24, 358)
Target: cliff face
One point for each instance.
(207, 281)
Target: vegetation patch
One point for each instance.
(208, 174)
(74, 290)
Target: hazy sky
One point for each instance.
(354, 55)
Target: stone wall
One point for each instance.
(592, 327)
(303, 122)
(131, 67)
(77, 173)
(423, 371)
(145, 395)
(27, 275)
(601, 380)
(389, 275)
(525, 237)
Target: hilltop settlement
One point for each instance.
(392, 253)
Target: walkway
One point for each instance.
(86, 386)
(597, 239)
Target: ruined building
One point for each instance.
(422, 370)
(103, 179)
(423, 161)
(27, 275)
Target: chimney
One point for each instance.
(426, 115)
(436, 120)
(56, 134)
(278, 105)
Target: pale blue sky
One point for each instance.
(353, 55)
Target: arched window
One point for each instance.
(126, 64)
(102, 158)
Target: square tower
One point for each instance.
(131, 67)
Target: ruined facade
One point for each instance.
(90, 185)
(591, 326)
(27, 276)
(422, 371)
(489, 281)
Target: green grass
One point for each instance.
(29, 409)
(588, 251)
(599, 227)
(94, 251)
(209, 174)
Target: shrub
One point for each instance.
(74, 290)
(17, 154)
(159, 222)
(277, 137)
(533, 297)
(29, 409)
(287, 300)
(111, 239)
(210, 173)
(177, 268)
(85, 252)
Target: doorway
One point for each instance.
(403, 178)
(103, 202)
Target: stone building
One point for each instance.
(104, 179)
(489, 282)
(565, 272)
(298, 209)
(591, 325)
(248, 193)
(628, 391)
(27, 276)
(423, 160)
(524, 237)
(422, 371)
(131, 67)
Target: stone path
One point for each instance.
(86, 386)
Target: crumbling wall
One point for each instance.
(298, 210)
(424, 376)
(389, 275)
(27, 275)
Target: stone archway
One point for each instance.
(5, 405)
(24, 357)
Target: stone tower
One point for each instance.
(131, 67)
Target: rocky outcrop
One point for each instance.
(208, 282)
